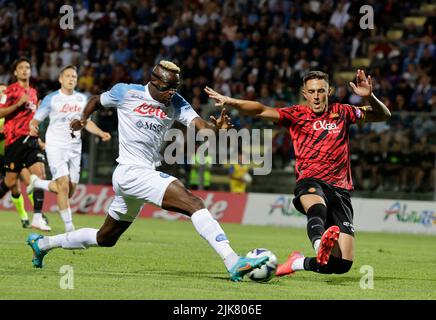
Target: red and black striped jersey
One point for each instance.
(321, 143)
(17, 122)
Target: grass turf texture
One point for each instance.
(158, 259)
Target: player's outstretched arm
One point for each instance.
(247, 107)
(222, 122)
(92, 105)
(379, 111)
(91, 127)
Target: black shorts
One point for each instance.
(338, 200)
(22, 154)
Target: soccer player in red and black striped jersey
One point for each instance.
(320, 136)
(21, 149)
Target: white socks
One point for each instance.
(42, 184)
(210, 230)
(68, 219)
(79, 239)
(37, 216)
(316, 245)
(298, 264)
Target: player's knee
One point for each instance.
(72, 189)
(63, 187)
(106, 241)
(11, 183)
(342, 266)
(195, 204)
(71, 192)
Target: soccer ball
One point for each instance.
(268, 270)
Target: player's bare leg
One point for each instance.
(178, 198)
(61, 186)
(38, 198)
(106, 236)
(334, 249)
(26, 177)
(344, 248)
(111, 231)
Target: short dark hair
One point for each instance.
(70, 66)
(315, 75)
(19, 60)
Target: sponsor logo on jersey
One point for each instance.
(156, 127)
(164, 175)
(148, 110)
(70, 108)
(324, 125)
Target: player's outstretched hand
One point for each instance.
(77, 124)
(105, 136)
(223, 122)
(364, 84)
(220, 100)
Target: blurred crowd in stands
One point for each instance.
(252, 49)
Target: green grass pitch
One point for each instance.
(158, 259)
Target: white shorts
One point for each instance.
(64, 162)
(133, 187)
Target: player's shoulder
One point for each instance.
(295, 109)
(12, 88)
(49, 97)
(179, 102)
(124, 87)
(79, 96)
(336, 106)
(345, 108)
(32, 89)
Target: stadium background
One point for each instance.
(253, 50)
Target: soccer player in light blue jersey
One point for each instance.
(145, 113)
(62, 145)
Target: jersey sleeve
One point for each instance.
(186, 113)
(6, 99)
(354, 113)
(114, 96)
(44, 109)
(3, 99)
(287, 116)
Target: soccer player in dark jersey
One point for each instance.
(21, 149)
(321, 141)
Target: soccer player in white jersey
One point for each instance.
(63, 146)
(145, 113)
